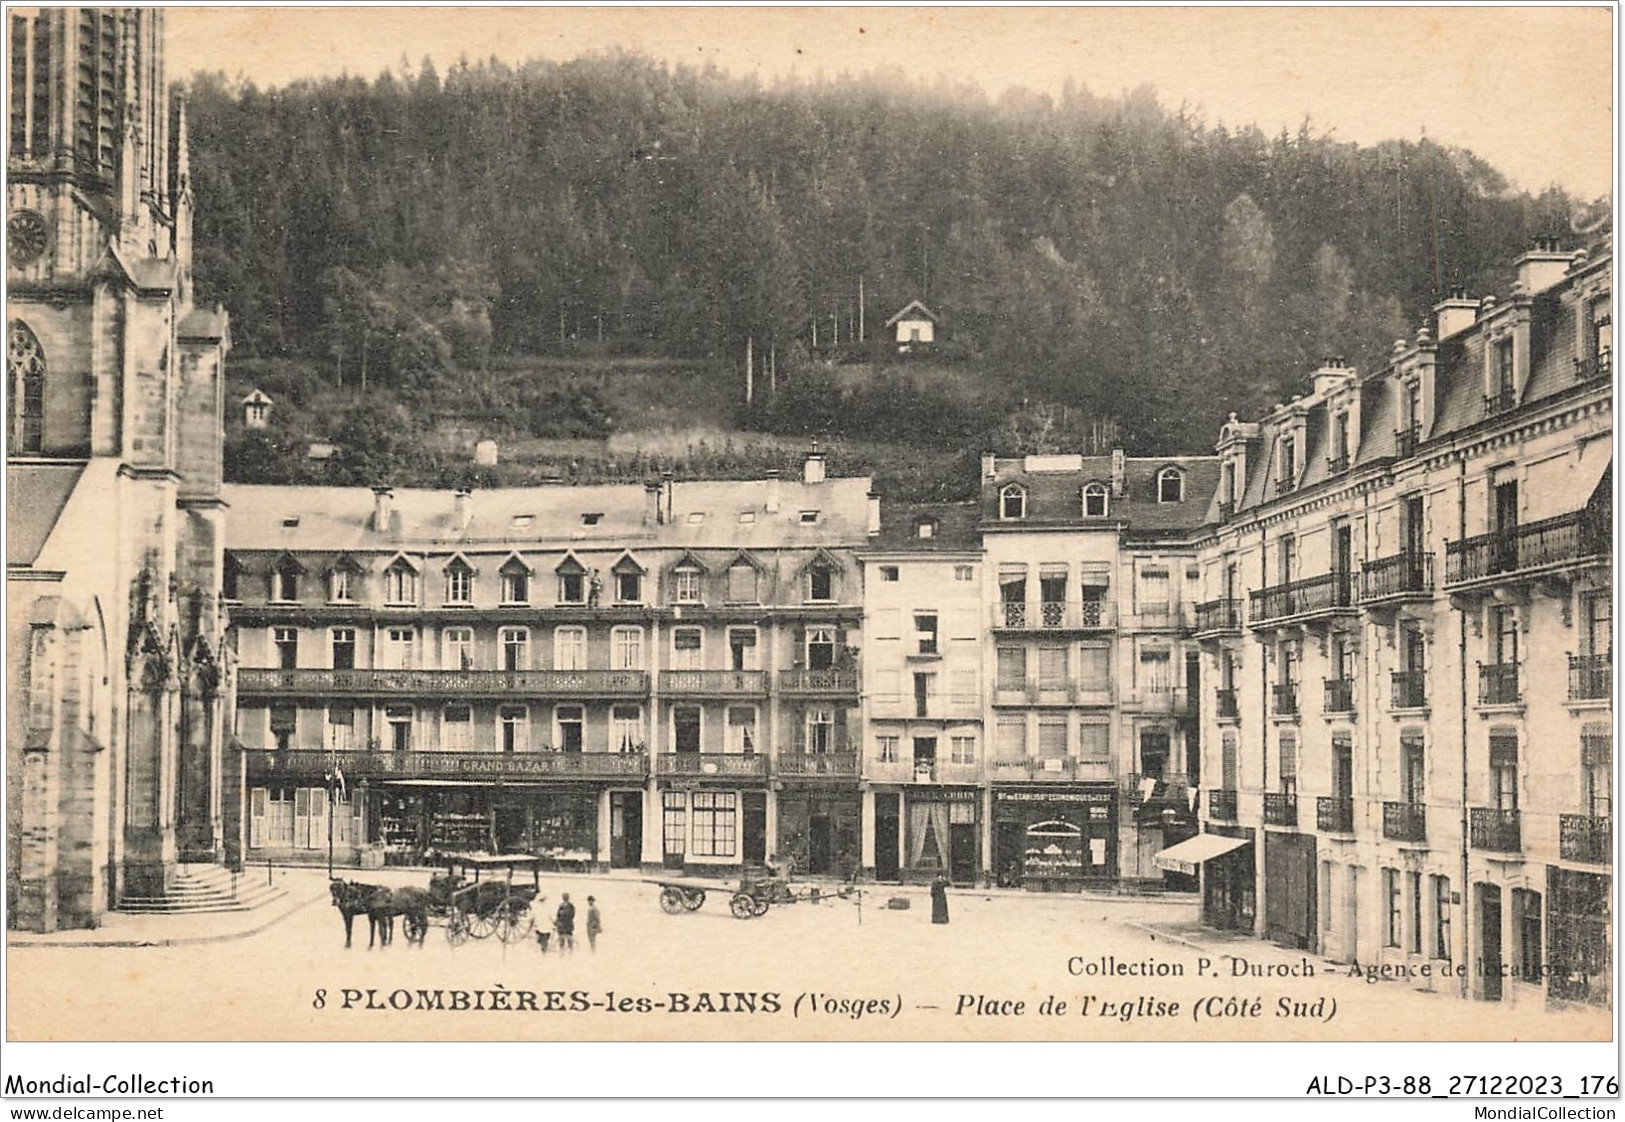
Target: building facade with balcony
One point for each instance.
(603, 673)
(1411, 724)
(925, 756)
(1090, 582)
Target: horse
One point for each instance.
(411, 904)
(353, 898)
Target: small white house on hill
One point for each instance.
(256, 410)
(915, 325)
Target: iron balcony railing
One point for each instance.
(1221, 804)
(1334, 814)
(1339, 695)
(1286, 485)
(1494, 829)
(1405, 442)
(1337, 465)
(419, 764)
(1591, 677)
(1403, 574)
(1169, 700)
(1224, 702)
(1227, 507)
(496, 683)
(1054, 615)
(1498, 683)
(834, 765)
(1565, 539)
(1500, 401)
(1405, 822)
(1587, 839)
(713, 683)
(818, 683)
(1218, 615)
(1285, 697)
(1328, 592)
(1280, 809)
(1410, 689)
(1597, 368)
(718, 764)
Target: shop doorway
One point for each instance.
(511, 822)
(1489, 939)
(753, 830)
(820, 850)
(625, 829)
(1008, 846)
(888, 836)
(962, 853)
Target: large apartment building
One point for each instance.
(618, 675)
(1090, 580)
(1406, 627)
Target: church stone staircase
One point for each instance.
(200, 889)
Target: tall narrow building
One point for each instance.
(114, 732)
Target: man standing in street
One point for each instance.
(595, 924)
(564, 925)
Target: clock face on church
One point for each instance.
(26, 236)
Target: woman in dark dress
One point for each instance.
(939, 899)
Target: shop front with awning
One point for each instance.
(1191, 854)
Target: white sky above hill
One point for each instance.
(1529, 89)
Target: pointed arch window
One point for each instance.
(515, 581)
(400, 583)
(26, 363)
(1170, 485)
(459, 582)
(1096, 500)
(285, 576)
(1012, 502)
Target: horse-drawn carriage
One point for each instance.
(469, 900)
(759, 889)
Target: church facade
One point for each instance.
(117, 689)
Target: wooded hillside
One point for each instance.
(1108, 255)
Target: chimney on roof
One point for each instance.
(1543, 266)
(1119, 473)
(1333, 373)
(668, 495)
(771, 502)
(462, 508)
(383, 508)
(1454, 314)
(651, 503)
(988, 465)
(813, 472)
(874, 513)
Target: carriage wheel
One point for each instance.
(693, 900)
(762, 904)
(672, 900)
(456, 928)
(516, 924)
(483, 924)
(416, 927)
(743, 906)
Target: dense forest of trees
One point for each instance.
(1103, 254)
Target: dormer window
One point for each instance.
(1170, 485)
(820, 583)
(459, 582)
(742, 582)
(1338, 460)
(341, 583)
(1287, 473)
(1230, 495)
(1096, 500)
(628, 576)
(515, 582)
(572, 582)
(1012, 502)
(592, 517)
(400, 583)
(1596, 357)
(285, 579)
(1503, 376)
(685, 584)
(925, 528)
